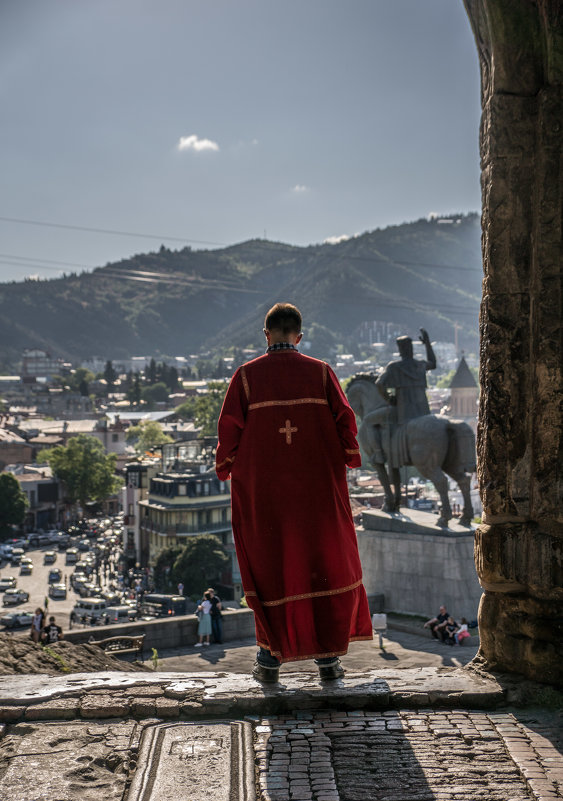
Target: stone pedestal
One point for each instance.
(519, 549)
(417, 565)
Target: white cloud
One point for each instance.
(193, 142)
(254, 142)
(300, 188)
(335, 240)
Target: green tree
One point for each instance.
(155, 393)
(146, 435)
(87, 471)
(150, 372)
(134, 391)
(80, 377)
(204, 410)
(110, 375)
(197, 564)
(13, 503)
(163, 569)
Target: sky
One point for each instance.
(211, 122)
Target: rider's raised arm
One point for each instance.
(430, 356)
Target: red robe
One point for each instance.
(286, 434)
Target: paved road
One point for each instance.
(37, 585)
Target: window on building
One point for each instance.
(206, 487)
(130, 510)
(182, 489)
(114, 437)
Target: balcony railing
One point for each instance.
(183, 529)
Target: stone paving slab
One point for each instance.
(322, 755)
(192, 695)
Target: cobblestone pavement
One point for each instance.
(421, 755)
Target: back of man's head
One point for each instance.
(405, 347)
(283, 317)
(52, 619)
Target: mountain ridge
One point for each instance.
(167, 302)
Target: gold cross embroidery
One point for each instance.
(288, 431)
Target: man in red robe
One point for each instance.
(286, 434)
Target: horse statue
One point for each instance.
(435, 445)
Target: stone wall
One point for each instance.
(418, 572)
(171, 632)
(519, 548)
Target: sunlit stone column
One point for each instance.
(519, 547)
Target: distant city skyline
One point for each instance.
(190, 123)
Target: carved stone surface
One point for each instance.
(92, 761)
(520, 435)
(196, 761)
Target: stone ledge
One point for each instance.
(195, 695)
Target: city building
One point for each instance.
(46, 505)
(464, 395)
(186, 499)
(137, 478)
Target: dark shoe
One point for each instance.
(333, 670)
(268, 675)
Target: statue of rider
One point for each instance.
(407, 377)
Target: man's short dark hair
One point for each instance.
(284, 317)
(52, 619)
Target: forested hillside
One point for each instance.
(425, 273)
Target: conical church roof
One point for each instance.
(463, 377)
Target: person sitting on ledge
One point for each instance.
(286, 434)
(438, 624)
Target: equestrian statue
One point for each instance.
(397, 429)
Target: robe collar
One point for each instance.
(280, 346)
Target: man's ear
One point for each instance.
(299, 338)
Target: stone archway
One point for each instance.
(519, 547)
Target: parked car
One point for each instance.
(5, 551)
(84, 546)
(62, 541)
(49, 557)
(57, 591)
(14, 596)
(55, 576)
(26, 567)
(88, 590)
(113, 598)
(7, 583)
(16, 556)
(36, 539)
(71, 557)
(14, 620)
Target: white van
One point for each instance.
(89, 607)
